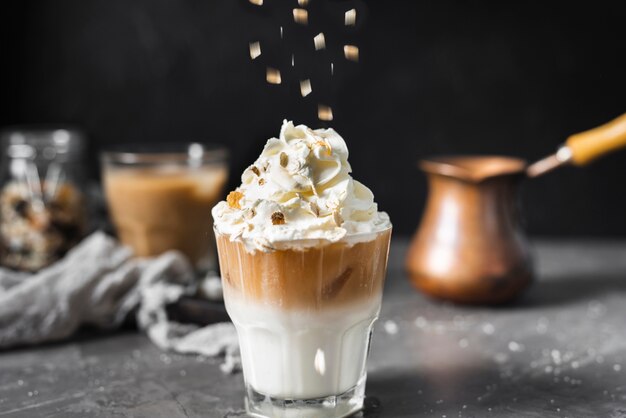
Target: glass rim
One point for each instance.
(63, 143)
(170, 152)
(345, 239)
(41, 132)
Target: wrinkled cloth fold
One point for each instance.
(99, 283)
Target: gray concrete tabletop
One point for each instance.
(560, 351)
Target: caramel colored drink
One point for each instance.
(161, 207)
(329, 276)
(304, 317)
(303, 255)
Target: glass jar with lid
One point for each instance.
(42, 199)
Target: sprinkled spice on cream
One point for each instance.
(299, 192)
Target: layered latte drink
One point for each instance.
(303, 253)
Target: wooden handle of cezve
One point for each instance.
(589, 145)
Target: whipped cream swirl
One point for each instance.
(299, 193)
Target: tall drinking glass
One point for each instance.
(304, 319)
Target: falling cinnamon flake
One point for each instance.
(257, 2)
(305, 87)
(324, 112)
(273, 76)
(255, 50)
(301, 16)
(233, 199)
(278, 218)
(320, 41)
(350, 17)
(351, 52)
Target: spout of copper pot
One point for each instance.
(582, 148)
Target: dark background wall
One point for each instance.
(434, 77)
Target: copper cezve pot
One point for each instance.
(469, 247)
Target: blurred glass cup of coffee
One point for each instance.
(160, 198)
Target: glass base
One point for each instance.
(333, 406)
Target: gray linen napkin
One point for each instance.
(99, 283)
